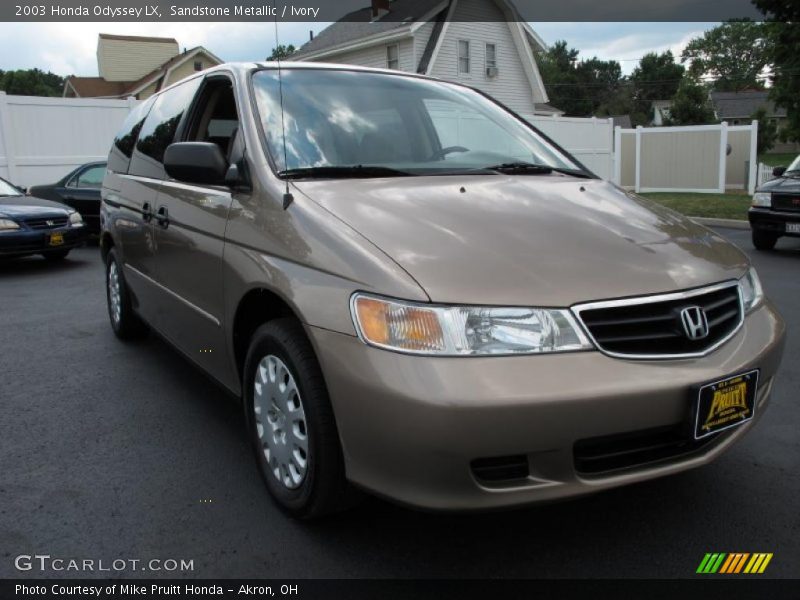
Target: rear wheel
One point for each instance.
(55, 255)
(291, 424)
(124, 321)
(764, 240)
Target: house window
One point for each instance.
(463, 56)
(491, 57)
(393, 57)
(198, 65)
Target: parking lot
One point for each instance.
(112, 450)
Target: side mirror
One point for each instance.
(778, 171)
(196, 162)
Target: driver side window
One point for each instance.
(215, 117)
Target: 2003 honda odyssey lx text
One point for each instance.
(418, 294)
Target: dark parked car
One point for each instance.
(776, 207)
(37, 226)
(79, 189)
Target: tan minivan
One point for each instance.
(418, 294)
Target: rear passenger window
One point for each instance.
(122, 149)
(160, 127)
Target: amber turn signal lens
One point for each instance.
(387, 323)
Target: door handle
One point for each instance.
(147, 212)
(162, 216)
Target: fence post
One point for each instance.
(131, 102)
(723, 155)
(8, 139)
(618, 155)
(752, 180)
(638, 181)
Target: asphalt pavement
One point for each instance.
(111, 450)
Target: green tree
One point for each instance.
(282, 52)
(783, 40)
(732, 54)
(767, 131)
(580, 88)
(690, 105)
(656, 77)
(31, 82)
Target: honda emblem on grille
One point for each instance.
(50, 223)
(695, 323)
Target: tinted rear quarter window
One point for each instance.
(160, 127)
(121, 150)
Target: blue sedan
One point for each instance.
(35, 226)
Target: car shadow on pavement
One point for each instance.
(35, 265)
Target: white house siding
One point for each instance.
(480, 22)
(375, 56)
(421, 37)
(123, 60)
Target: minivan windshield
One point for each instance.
(341, 123)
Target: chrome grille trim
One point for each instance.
(577, 309)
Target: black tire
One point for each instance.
(55, 255)
(129, 326)
(763, 240)
(323, 489)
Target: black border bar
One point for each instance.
(361, 10)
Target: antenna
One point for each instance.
(287, 195)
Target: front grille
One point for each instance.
(787, 202)
(500, 469)
(652, 326)
(46, 222)
(629, 450)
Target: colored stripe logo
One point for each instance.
(734, 563)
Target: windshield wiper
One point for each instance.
(343, 172)
(526, 168)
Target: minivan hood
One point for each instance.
(546, 240)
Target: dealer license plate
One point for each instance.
(56, 239)
(726, 403)
(793, 228)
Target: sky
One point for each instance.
(70, 48)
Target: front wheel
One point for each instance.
(764, 240)
(291, 424)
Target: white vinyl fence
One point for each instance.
(699, 158)
(764, 173)
(590, 140)
(42, 139)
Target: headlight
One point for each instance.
(762, 199)
(8, 225)
(752, 293)
(75, 219)
(464, 330)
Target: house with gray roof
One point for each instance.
(480, 43)
(737, 108)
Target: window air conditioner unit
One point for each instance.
(491, 71)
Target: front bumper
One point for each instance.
(24, 241)
(411, 426)
(772, 221)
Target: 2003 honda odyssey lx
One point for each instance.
(417, 293)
